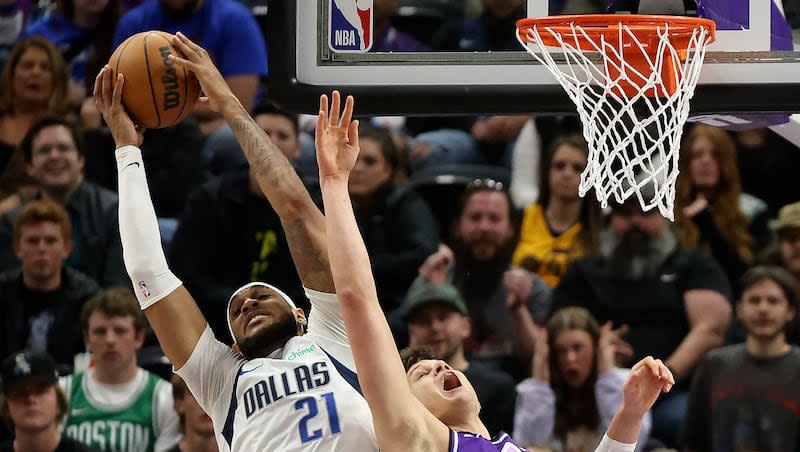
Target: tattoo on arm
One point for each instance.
(302, 221)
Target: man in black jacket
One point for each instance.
(42, 299)
(52, 150)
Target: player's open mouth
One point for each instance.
(450, 381)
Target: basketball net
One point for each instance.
(631, 87)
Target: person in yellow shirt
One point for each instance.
(561, 226)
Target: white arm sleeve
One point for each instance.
(609, 445)
(138, 228)
(326, 326)
(167, 421)
(210, 372)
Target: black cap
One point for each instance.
(429, 293)
(27, 366)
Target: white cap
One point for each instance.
(247, 286)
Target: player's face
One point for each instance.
(55, 160)
(33, 76)
(789, 245)
(113, 341)
(565, 172)
(282, 132)
(575, 356)
(371, 170)
(42, 250)
(439, 328)
(764, 310)
(195, 419)
(259, 316)
(703, 163)
(484, 224)
(33, 406)
(444, 391)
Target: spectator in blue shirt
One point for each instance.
(225, 28)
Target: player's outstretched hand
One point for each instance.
(648, 378)
(336, 137)
(216, 90)
(108, 98)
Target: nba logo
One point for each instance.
(350, 25)
(143, 288)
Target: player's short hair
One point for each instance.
(413, 355)
(267, 107)
(778, 275)
(114, 302)
(42, 211)
(26, 145)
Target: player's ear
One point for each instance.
(235, 348)
(300, 318)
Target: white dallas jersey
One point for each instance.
(304, 397)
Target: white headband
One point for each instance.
(247, 286)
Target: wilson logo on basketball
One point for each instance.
(172, 97)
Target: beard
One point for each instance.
(636, 255)
(477, 279)
(267, 337)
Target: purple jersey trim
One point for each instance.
(470, 442)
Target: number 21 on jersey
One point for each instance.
(309, 406)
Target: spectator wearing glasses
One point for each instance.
(497, 296)
(561, 226)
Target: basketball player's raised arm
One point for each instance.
(170, 309)
(301, 219)
(401, 421)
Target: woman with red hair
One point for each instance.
(712, 212)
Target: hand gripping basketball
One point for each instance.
(218, 94)
(108, 98)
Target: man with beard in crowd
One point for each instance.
(675, 302)
(225, 28)
(479, 266)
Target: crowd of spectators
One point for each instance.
(539, 296)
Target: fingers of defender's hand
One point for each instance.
(347, 114)
(335, 105)
(322, 121)
(352, 134)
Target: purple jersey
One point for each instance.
(470, 442)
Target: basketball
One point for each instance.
(156, 93)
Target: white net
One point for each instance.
(634, 138)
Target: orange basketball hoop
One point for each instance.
(631, 78)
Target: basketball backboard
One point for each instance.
(753, 67)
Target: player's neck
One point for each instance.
(40, 440)
(767, 348)
(472, 426)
